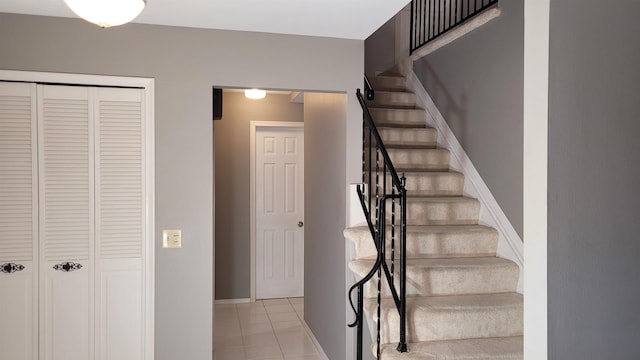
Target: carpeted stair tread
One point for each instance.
(495, 348)
(448, 276)
(436, 318)
(436, 241)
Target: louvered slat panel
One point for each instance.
(66, 176)
(120, 157)
(16, 173)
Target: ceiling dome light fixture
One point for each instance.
(255, 94)
(107, 13)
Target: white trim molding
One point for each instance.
(510, 244)
(233, 301)
(321, 352)
(253, 127)
(535, 176)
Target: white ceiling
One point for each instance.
(348, 19)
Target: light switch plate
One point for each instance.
(171, 239)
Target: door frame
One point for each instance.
(253, 128)
(148, 84)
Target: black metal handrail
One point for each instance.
(377, 222)
(431, 19)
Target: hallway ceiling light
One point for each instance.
(255, 94)
(107, 13)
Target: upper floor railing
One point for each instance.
(431, 19)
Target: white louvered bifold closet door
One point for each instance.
(18, 225)
(73, 222)
(120, 223)
(66, 222)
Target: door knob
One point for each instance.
(300, 224)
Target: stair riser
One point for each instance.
(399, 117)
(388, 83)
(435, 184)
(430, 183)
(431, 244)
(434, 325)
(393, 99)
(436, 159)
(451, 281)
(415, 159)
(440, 213)
(503, 348)
(406, 137)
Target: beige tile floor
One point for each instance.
(266, 329)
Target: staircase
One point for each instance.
(461, 298)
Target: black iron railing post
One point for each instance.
(402, 346)
(360, 321)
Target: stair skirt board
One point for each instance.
(464, 259)
(510, 244)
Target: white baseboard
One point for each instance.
(321, 353)
(510, 244)
(232, 301)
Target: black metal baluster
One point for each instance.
(381, 251)
(421, 16)
(449, 5)
(402, 346)
(364, 144)
(433, 20)
(412, 28)
(359, 319)
(438, 20)
(377, 185)
(370, 184)
(393, 234)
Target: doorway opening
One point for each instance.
(242, 264)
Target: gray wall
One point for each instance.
(477, 83)
(594, 153)
(379, 49)
(232, 205)
(185, 64)
(324, 194)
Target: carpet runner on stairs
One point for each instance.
(462, 299)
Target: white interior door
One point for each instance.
(66, 222)
(120, 223)
(18, 225)
(279, 212)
